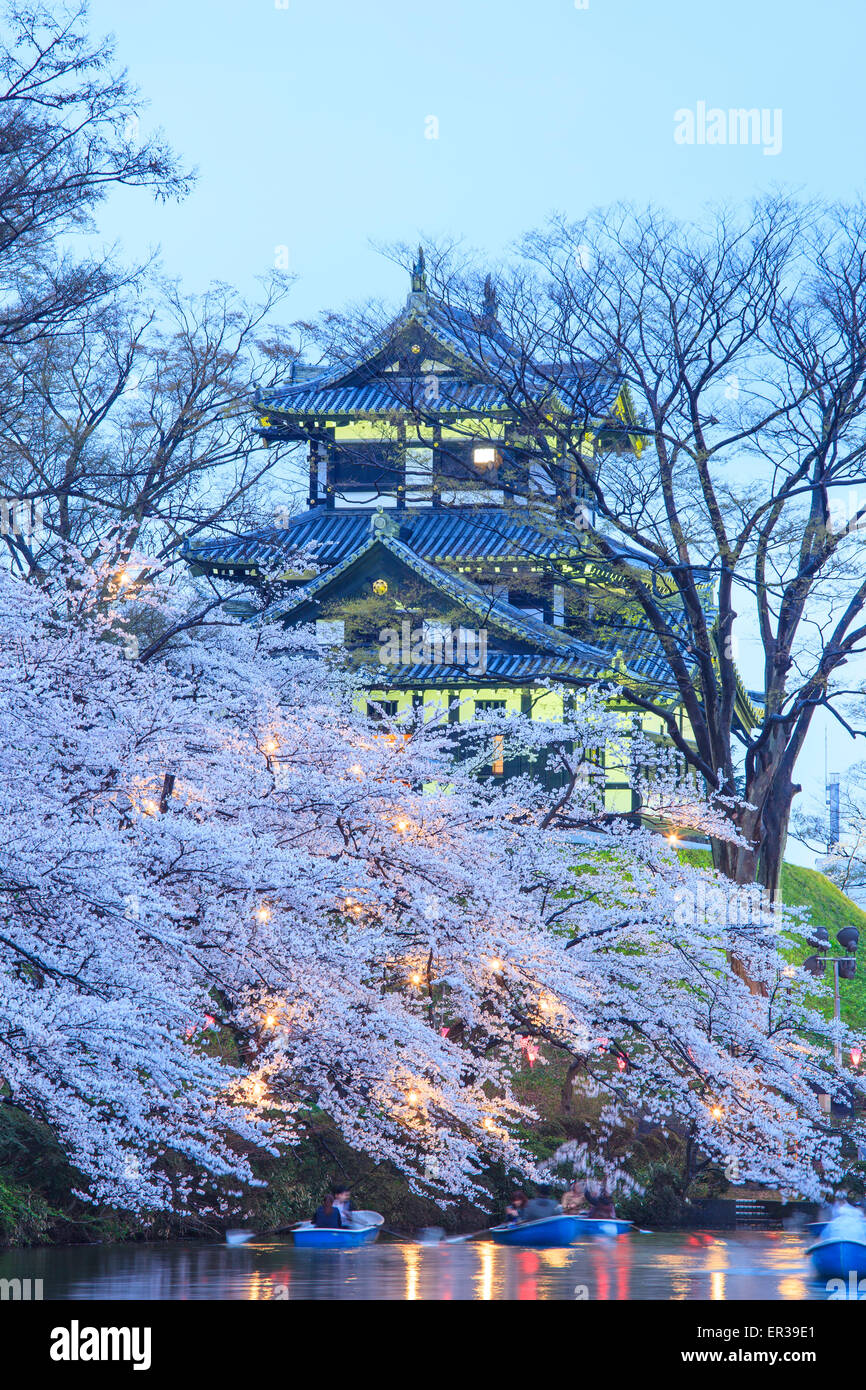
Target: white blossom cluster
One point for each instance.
(230, 903)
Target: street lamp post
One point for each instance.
(844, 968)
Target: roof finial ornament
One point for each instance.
(419, 274)
(417, 299)
(489, 303)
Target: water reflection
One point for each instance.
(745, 1265)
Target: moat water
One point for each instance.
(673, 1265)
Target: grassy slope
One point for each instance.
(827, 907)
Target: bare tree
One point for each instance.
(124, 404)
(69, 132)
(132, 429)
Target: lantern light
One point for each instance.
(485, 458)
(856, 1054)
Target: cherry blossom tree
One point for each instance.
(231, 902)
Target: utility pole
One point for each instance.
(844, 967)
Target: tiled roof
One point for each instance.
(469, 533)
(498, 611)
(481, 358)
(334, 540)
(505, 666)
(454, 396)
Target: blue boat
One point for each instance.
(554, 1231)
(551, 1231)
(838, 1259)
(311, 1237)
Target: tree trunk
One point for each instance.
(766, 829)
(776, 813)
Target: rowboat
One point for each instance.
(838, 1259)
(548, 1230)
(556, 1231)
(363, 1230)
(311, 1237)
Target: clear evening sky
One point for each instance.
(310, 120)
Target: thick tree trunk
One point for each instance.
(776, 813)
(739, 865)
(768, 833)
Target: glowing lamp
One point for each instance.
(485, 458)
(717, 1112)
(856, 1055)
(263, 913)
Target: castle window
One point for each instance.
(382, 709)
(497, 762)
(497, 766)
(365, 465)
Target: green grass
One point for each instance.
(827, 907)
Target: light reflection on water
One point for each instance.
(699, 1265)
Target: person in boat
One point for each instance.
(574, 1199)
(541, 1206)
(847, 1221)
(343, 1202)
(516, 1205)
(602, 1208)
(327, 1214)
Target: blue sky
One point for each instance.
(309, 123)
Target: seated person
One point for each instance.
(343, 1202)
(602, 1208)
(574, 1198)
(328, 1215)
(538, 1207)
(515, 1206)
